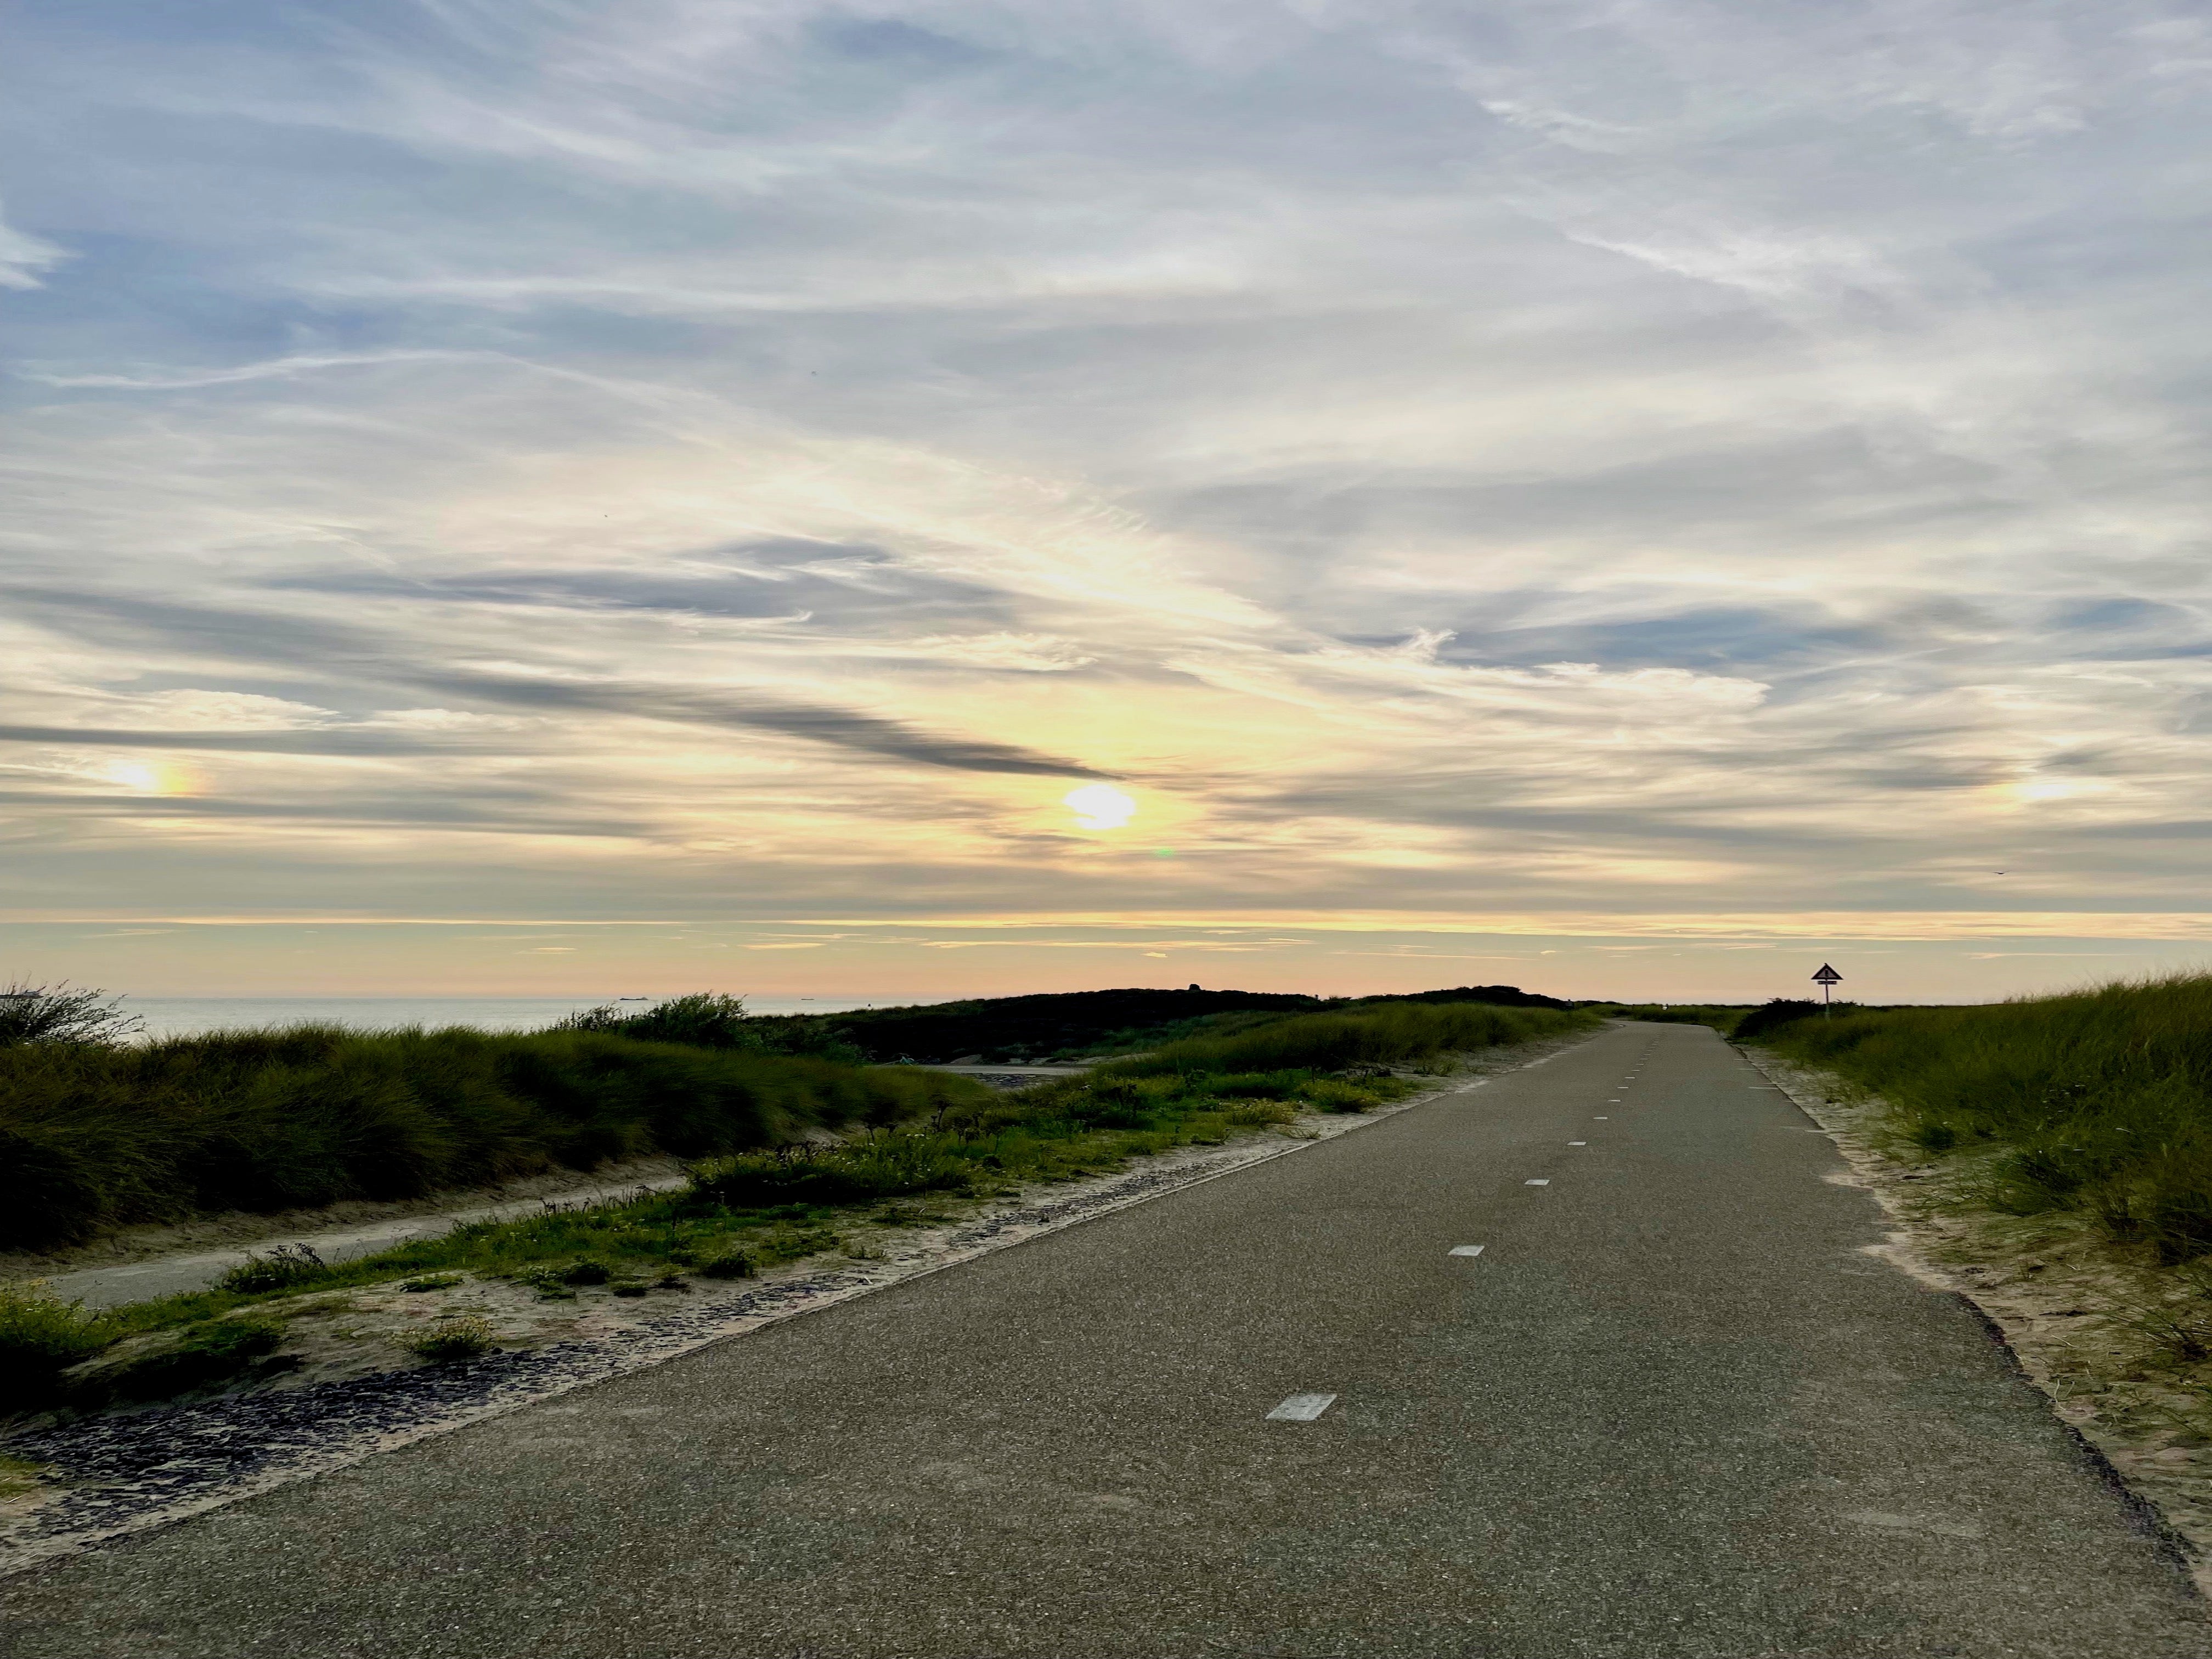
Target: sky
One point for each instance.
(1629, 499)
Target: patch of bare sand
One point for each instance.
(2121, 1345)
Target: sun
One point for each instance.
(1100, 807)
(156, 778)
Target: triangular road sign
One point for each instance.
(1828, 975)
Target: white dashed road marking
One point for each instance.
(1302, 1408)
(1467, 1250)
(1545, 1181)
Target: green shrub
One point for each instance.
(733, 1264)
(876, 1166)
(40, 1335)
(708, 1019)
(286, 1267)
(431, 1282)
(1331, 1096)
(1762, 1022)
(456, 1337)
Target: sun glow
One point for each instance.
(1100, 807)
(157, 778)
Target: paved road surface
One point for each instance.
(1669, 1410)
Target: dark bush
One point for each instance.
(1768, 1016)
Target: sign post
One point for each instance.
(1826, 978)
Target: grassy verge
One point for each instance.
(94, 1136)
(745, 1211)
(2099, 1103)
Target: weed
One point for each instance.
(1331, 1096)
(556, 1281)
(628, 1287)
(431, 1282)
(286, 1267)
(455, 1337)
(40, 1335)
(57, 1014)
(19, 1478)
(2184, 1335)
(733, 1264)
(791, 1245)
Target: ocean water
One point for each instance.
(190, 1016)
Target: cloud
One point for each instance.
(1579, 460)
(270, 637)
(23, 256)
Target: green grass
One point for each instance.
(41, 1335)
(18, 1477)
(1405, 1034)
(2098, 1102)
(93, 1137)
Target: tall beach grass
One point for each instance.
(1396, 1034)
(94, 1136)
(2099, 1101)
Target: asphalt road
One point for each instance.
(1670, 1409)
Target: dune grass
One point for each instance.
(94, 1136)
(1399, 1034)
(2100, 1100)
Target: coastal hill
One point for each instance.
(1075, 1024)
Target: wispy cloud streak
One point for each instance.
(1585, 459)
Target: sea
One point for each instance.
(190, 1016)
